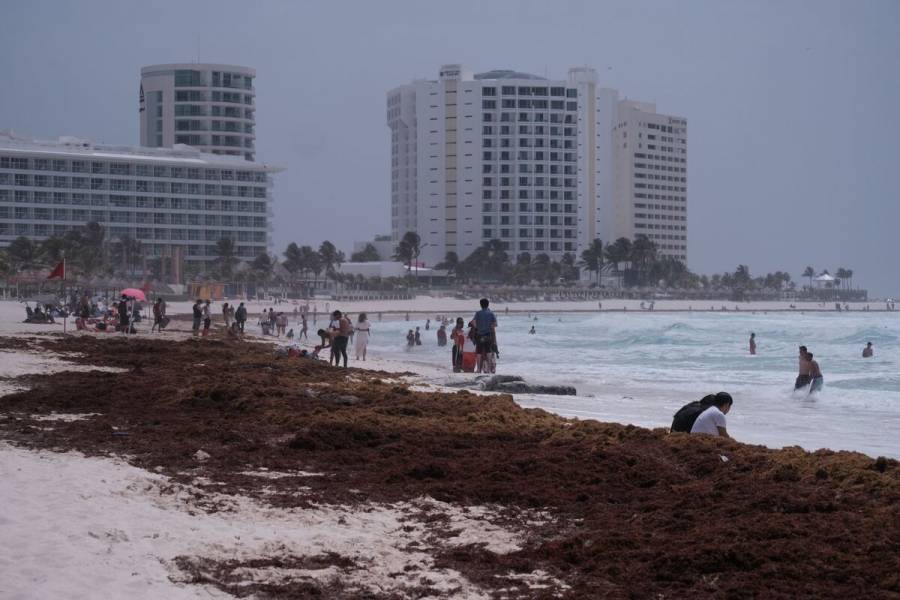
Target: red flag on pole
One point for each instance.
(59, 271)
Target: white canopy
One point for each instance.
(824, 277)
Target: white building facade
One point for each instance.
(650, 179)
(504, 156)
(209, 106)
(171, 200)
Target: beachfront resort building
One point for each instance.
(175, 201)
(208, 106)
(531, 162)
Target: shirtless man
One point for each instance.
(803, 378)
(815, 374)
(868, 351)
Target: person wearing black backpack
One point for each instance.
(687, 414)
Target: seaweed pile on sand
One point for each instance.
(632, 513)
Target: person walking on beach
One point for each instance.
(157, 317)
(752, 343)
(341, 328)
(226, 315)
(868, 351)
(363, 329)
(712, 420)
(815, 374)
(418, 337)
(303, 329)
(803, 377)
(427, 324)
(197, 311)
(240, 316)
(207, 318)
(485, 334)
(273, 318)
(281, 322)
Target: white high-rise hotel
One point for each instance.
(543, 166)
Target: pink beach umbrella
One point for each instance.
(134, 293)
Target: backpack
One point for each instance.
(684, 419)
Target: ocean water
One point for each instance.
(639, 368)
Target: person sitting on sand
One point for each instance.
(712, 420)
(803, 377)
(684, 419)
(815, 374)
(868, 351)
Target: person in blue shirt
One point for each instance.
(485, 337)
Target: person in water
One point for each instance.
(532, 331)
(803, 377)
(712, 420)
(815, 374)
(752, 343)
(868, 351)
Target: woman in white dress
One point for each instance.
(362, 336)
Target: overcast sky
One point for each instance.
(792, 106)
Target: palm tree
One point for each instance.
(367, 254)
(450, 263)
(408, 249)
(23, 254)
(331, 256)
(643, 254)
(592, 258)
(809, 272)
(52, 250)
(261, 269)
(618, 252)
(226, 259)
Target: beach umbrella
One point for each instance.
(134, 293)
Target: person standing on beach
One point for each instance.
(868, 351)
(752, 343)
(341, 328)
(418, 337)
(226, 315)
(427, 324)
(410, 338)
(207, 318)
(803, 376)
(712, 420)
(303, 329)
(485, 334)
(458, 335)
(815, 374)
(197, 311)
(240, 316)
(442, 335)
(363, 329)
